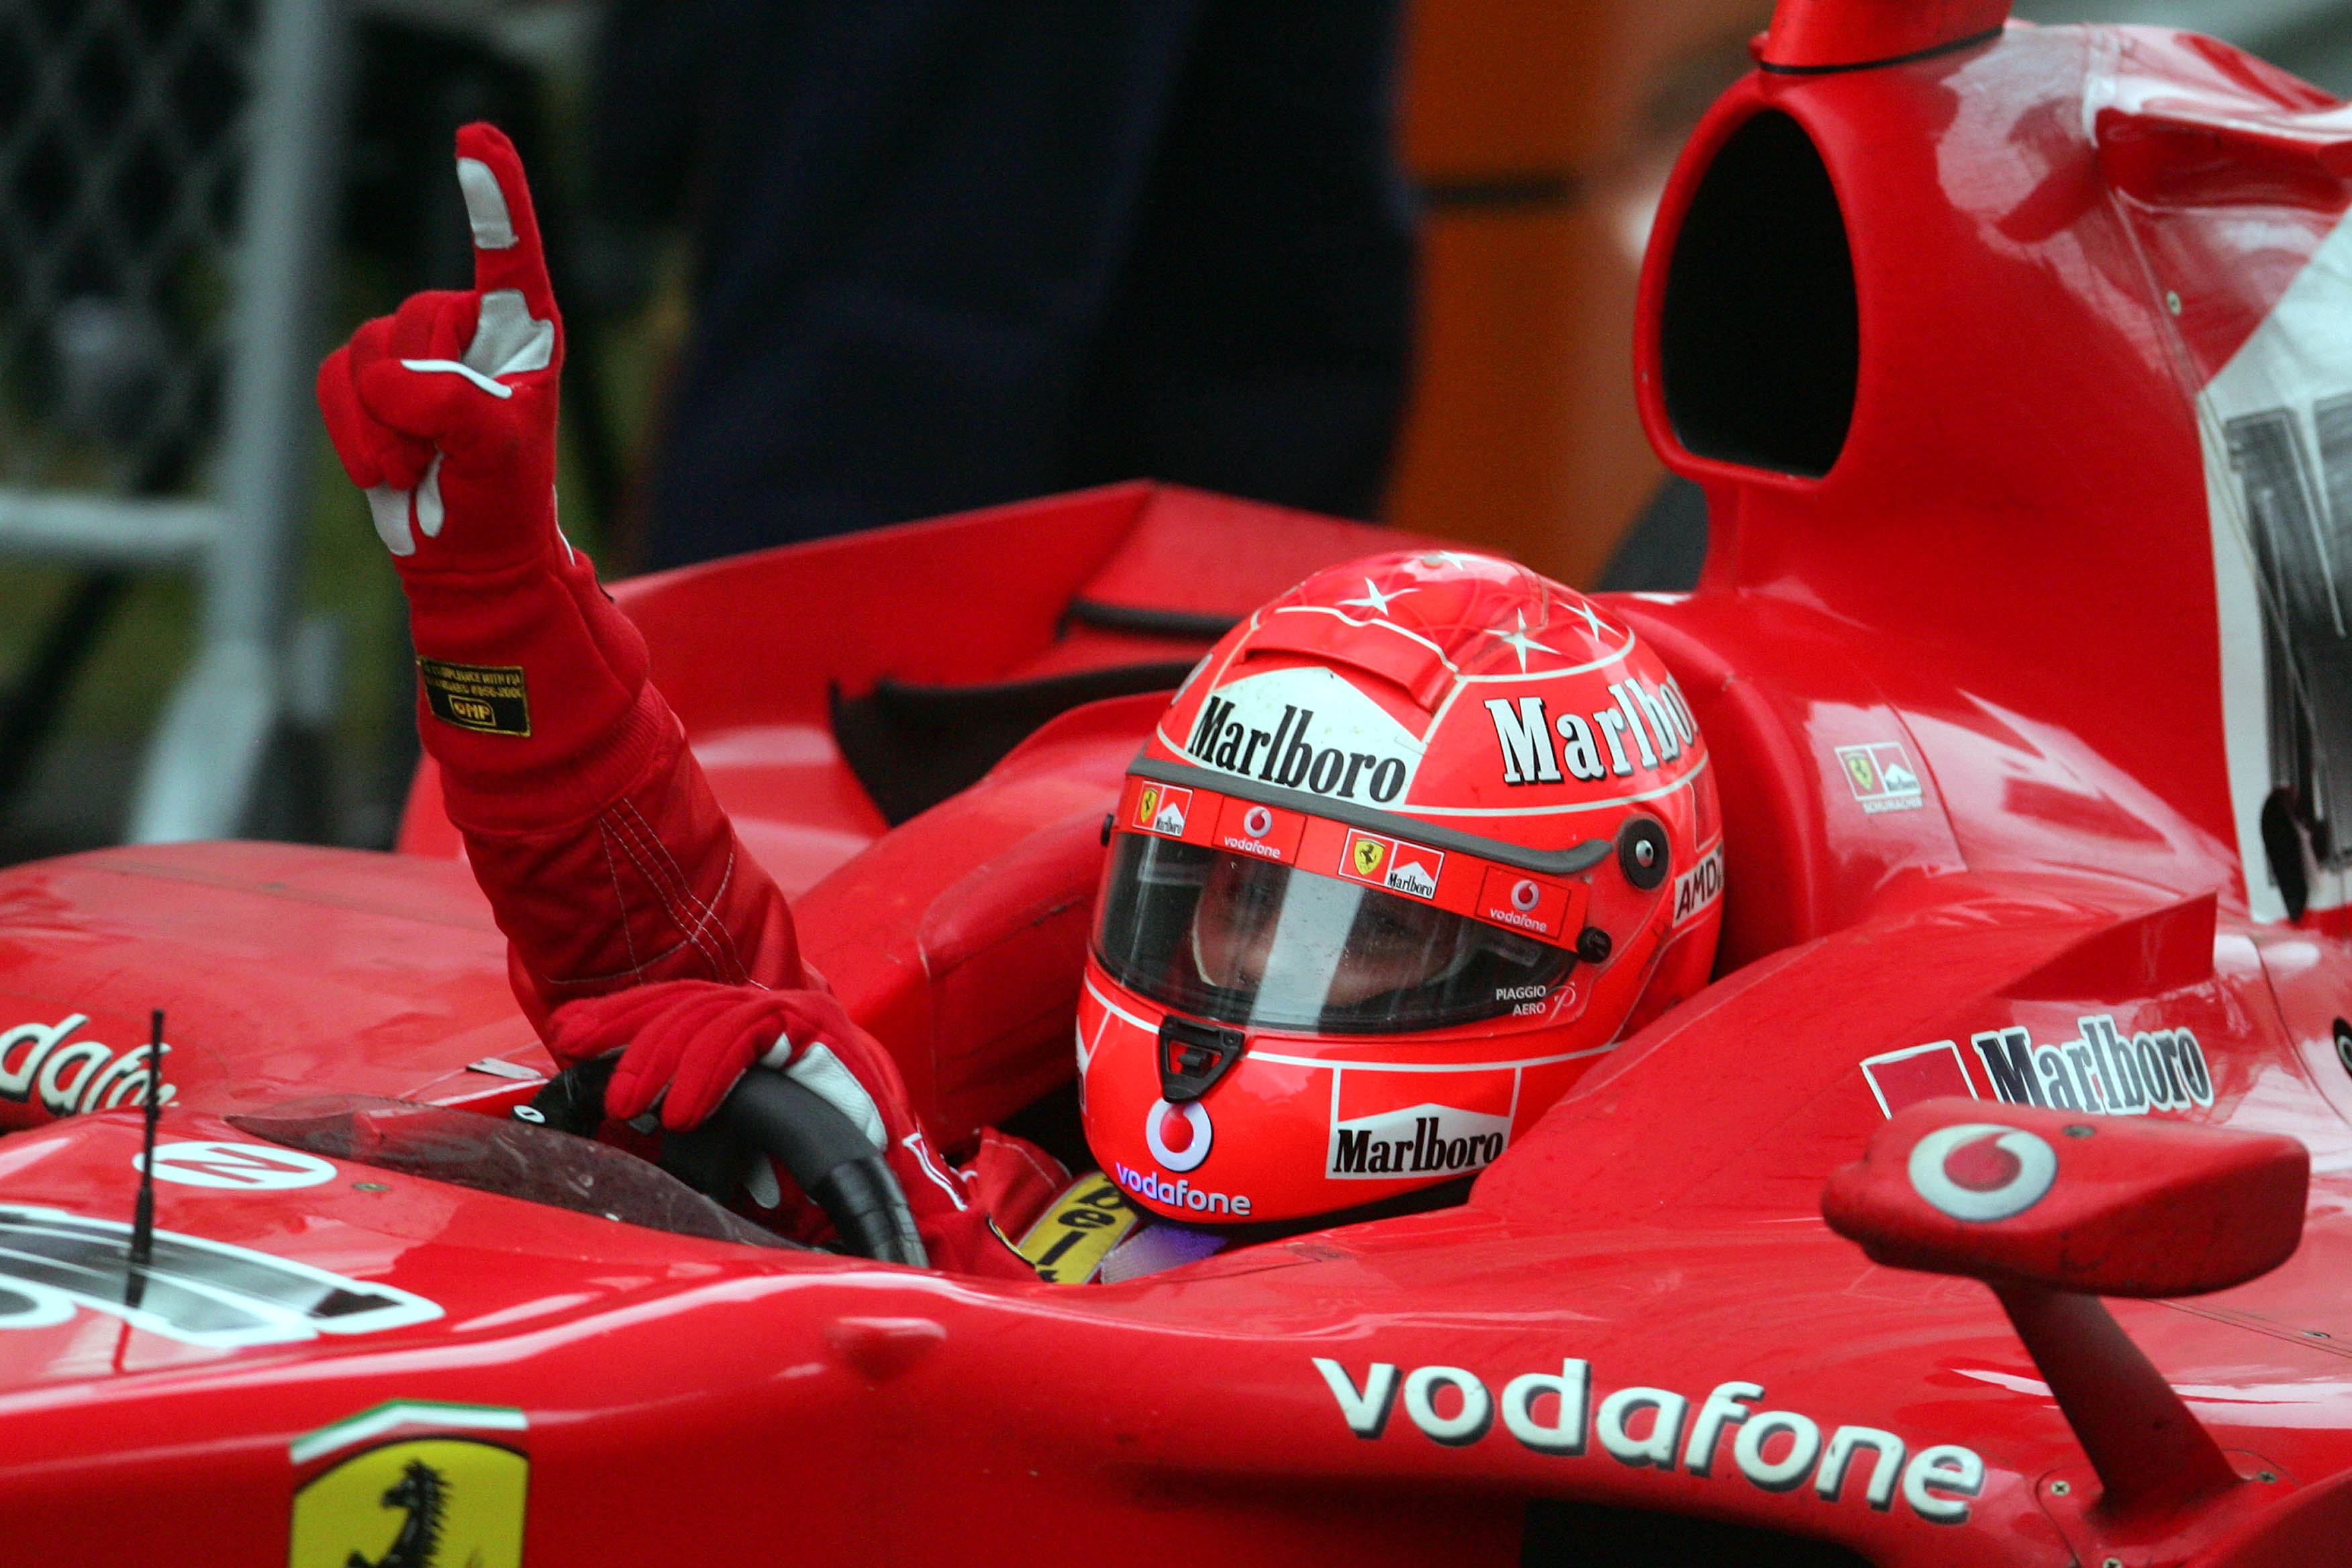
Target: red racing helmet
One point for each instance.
(1413, 847)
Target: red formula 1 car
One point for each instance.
(2017, 367)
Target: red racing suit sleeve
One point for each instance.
(610, 867)
(608, 861)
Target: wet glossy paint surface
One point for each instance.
(1980, 699)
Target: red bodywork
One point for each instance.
(1995, 703)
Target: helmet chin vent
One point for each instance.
(1193, 1057)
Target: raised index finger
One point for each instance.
(507, 253)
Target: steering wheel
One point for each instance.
(765, 1113)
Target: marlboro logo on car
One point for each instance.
(2102, 1072)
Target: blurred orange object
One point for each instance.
(1541, 135)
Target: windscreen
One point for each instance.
(512, 1159)
(1254, 944)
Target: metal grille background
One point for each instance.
(122, 132)
(165, 174)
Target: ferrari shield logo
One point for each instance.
(1392, 863)
(1161, 810)
(426, 1502)
(1881, 777)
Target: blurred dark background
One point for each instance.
(830, 266)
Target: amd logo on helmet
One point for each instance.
(1655, 719)
(1306, 730)
(1700, 885)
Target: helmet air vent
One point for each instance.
(1408, 662)
(1193, 1057)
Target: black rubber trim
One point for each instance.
(2282, 847)
(573, 1100)
(1151, 623)
(1564, 1534)
(913, 746)
(830, 1159)
(1181, 1040)
(868, 1207)
(1546, 862)
(1971, 41)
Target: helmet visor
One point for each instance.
(1254, 944)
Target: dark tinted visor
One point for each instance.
(1254, 944)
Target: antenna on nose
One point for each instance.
(142, 1221)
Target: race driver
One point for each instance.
(1409, 849)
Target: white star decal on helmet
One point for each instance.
(1376, 600)
(1520, 640)
(1602, 630)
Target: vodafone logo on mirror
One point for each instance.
(1981, 1170)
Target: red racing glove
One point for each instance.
(532, 683)
(610, 868)
(685, 1042)
(448, 408)
(605, 855)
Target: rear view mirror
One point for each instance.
(2106, 1205)
(2053, 1211)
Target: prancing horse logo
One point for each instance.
(440, 1502)
(419, 1490)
